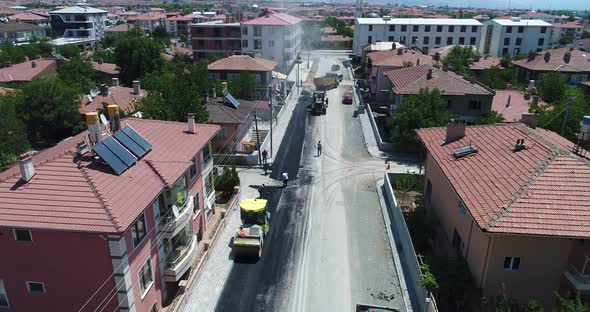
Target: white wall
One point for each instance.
(529, 39)
(279, 44)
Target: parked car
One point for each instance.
(347, 98)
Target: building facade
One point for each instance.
(275, 37)
(20, 32)
(79, 22)
(514, 36)
(421, 33)
(215, 40)
(86, 237)
(566, 33)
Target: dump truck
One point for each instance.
(249, 238)
(326, 82)
(320, 102)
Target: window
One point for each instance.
(245, 30)
(209, 184)
(216, 32)
(462, 209)
(390, 39)
(426, 40)
(505, 51)
(391, 27)
(197, 205)
(457, 242)
(414, 40)
(506, 41)
(509, 29)
(138, 230)
(449, 40)
(451, 28)
(449, 104)
(541, 41)
(3, 296)
(475, 105)
(436, 40)
(402, 39)
(474, 29)
(257, 44)
(511, 263)
(35, 288)
(404, 27)
(543, 29)
(257, 31)
(193, 169)
(428, 190)
(370, 27)
(463, 28)
(145, 277)
(271, 43)
(427, 28)
(415, 28)
(520, 29)
(222, 134)
(244, 43)
(518, 41)
(200, 43)
(461, 40)
(23, 236)
(439, 28)
(370, 39)
(472, 40)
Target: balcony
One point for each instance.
(180, 257)
(175, 220)
(580, 282)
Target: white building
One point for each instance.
(566, 31)
(83, 23)
(275, 37)
(514, 36)
(419, 33)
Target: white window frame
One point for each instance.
(145, 230)
(26, 241)
(511, 266)
(151, 283)
(35, 282)
(5, 294)
(197, 204)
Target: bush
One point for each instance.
(227, 180)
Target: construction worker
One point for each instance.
(319, 148)
(285, 177)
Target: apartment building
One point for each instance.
(180, 24)
(81, 22)
(103, 227)
(512, 201)
(20, 32)
(216, 39)
(514, 36)
(566, 32)
(149, 21)
(275, 37)
(421, 33)
(230, 68)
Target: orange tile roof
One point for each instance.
(106, 68)
(541, 190)
(24, 72)
(391, 58)
(568, 25)
(335, 38)
(243, 62)
(75, 193)
(579, 61)
(518, 104)
(485, 62)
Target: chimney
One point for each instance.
(529, 119)
(27, 170)
(81, 148)
(519, 146)
(445, 67)
(547, 56)
(393, 46)
(33, 64)
(26, 58)
(224, 86)
(94, 132)
(531, 56)
(191, 123)
(436, 56)
(429, 75)
(455, 130)
(400, 51)
(114, 117)
(477, 58)
(508, 102)
(115, 82)
(417, 62)
(567, 56)
(104, 90)
(136, 87)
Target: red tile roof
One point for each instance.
(335, 38)
(28, 17)
(274, 19)
(568, 25)
(391, 58)
(151, 16)
(536, 14)
(107, 68)
(120, 28)
(517, 106)
(73, 193)
(410, 80)
(243, 62)
(328, 30)
(485, 62)
(579, 61)
(121, 96)
(24, 72)
(541, 190)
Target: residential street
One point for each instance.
(327, 249)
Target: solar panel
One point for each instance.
(133, 141)
(231, 99)
(115, 155)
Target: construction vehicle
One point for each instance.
(326, 82)
(249, 238)
(320, 103)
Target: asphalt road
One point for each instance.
(327, 248)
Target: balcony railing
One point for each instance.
(179, 260)
(579, 281)
(176, 218)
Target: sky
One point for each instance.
(500, 4)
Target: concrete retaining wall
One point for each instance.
(383, 146)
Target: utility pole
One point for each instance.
(567, 114)
(271, 117)
(257, 137)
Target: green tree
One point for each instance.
(551, 116)
(137, 55)
(174, 101)
(497, 77)
(49, 108)
(459, 58)
(104, 55)
(161, 35)
(426, 109)
(184, 39)
(77, 72)
(585, 34)
(68, 50)
(243, 87)
(574, 304)
(427, 280)
(345, 31)
(13, 133)
(552, 87)
(490, 118)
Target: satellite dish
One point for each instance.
(175, 211)
(104, 121)
(93, 92)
